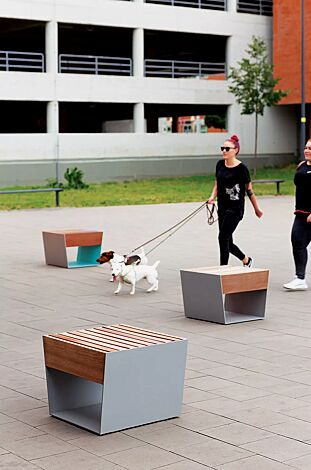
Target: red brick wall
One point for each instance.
(287, 48)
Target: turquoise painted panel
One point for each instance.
(87, 256)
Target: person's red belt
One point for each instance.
(301, 212)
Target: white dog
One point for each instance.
(112, 257)
(131, 274)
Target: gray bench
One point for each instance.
(224, 294)
(276, 181)
(110, 378)
(39, 190)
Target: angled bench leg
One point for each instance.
(55, 250)
(202, 296)
(143, 385)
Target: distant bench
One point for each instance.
(276, 181)
(39, 190)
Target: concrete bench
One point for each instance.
(276, 181)
(224, 294)
(56, 243)
(115, 377)
(38, 190)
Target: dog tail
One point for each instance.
(143, 257)
(156, 264)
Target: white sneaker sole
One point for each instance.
(295, 288)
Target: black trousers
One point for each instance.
(228, 222)
(300, 237)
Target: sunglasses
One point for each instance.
(227, 149)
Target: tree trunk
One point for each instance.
(256, 140)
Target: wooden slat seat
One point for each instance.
(114, 357)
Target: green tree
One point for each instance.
(253, 83)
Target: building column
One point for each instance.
(232, 6)
(52, 127)
(51, 47)
(138, 72)
(139, 118)
(138, 52)
(52, 120)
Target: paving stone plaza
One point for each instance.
(247, 386)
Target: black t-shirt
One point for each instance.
(231, 185)
(302, 181)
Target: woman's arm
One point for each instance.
(211, 199)
(252, 198)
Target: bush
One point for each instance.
(74, 177)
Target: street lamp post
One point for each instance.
(303, 104)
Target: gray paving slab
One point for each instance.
(248, 385)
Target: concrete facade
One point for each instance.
(113, 154)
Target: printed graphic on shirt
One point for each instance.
(234, 192)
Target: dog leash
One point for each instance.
(210, 220)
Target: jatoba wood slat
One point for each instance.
(83, 239)
(244, 282)
(74, 359)
(152, 339)
(104, 345)
(223, 270)
(154, 334)
(82, 346)
(118, 338)
(135, 339)
(157, 339)
(85, 343)
(126, 333)
(98, 340)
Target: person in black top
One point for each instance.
(232, 182)
(301, 230)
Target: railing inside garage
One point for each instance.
(98, 65)
(15, 61)
(207, 4)
(181, 68)
(255, 7)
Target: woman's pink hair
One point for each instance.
(235, 140)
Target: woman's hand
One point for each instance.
(309, 218)
(211, 200)
(259, 213)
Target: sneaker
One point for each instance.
(249, 263)
(296, 284)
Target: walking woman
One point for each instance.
(301, 230)
(232, 183)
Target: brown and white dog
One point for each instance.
(133, 274)
(112, 257)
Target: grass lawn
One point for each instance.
(151, 191)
